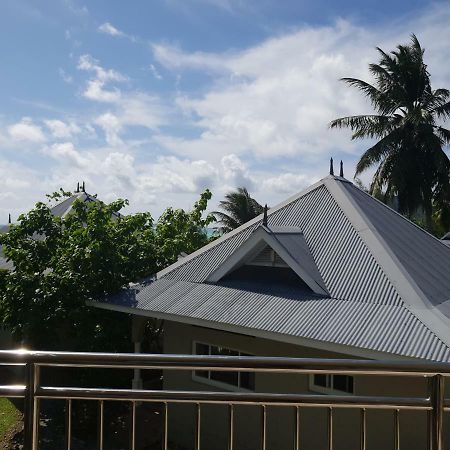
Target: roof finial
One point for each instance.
(78, 187)
(331, 167)
(264, 221)
(9, 218)
(83, 188)
(341, 171)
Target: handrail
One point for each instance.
(225, 363)
(33, 391)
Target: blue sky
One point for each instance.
(156, 100)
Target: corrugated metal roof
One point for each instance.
(423, 256)
(377, 327)
(384, 275)
(348, 269)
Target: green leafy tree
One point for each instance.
(238, 208)
(61, 262)
(179, 231)
(409, 157)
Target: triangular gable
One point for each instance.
(290, 247)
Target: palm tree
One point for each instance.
(238, 208)
(409, 157)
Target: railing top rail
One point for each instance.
(224, 363)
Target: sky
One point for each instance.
(156, 100)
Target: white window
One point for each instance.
(226, 380)
(331, 384)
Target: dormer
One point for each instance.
(279, 254)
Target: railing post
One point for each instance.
(31, 407)
(435, 423)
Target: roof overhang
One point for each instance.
(263, 334)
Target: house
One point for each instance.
(61, 209)
(329, 273)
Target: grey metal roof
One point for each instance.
(344, 262)
(385, 328)
(387, 279)
(423, 256)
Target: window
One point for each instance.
(329, 384)
(240, 380)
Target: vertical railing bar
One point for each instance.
(166, 426)
(397, 429)
(100, 437)
(330, 429)
(430, 415)
(37, 371)
(33, 407)
(68, 424)
(363, 434)
(263, 427)
(198, 428)
(133, 425)
(435, 424)
(297, 429)
(231, 427)
(29, 407)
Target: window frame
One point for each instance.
(326, 390)
(215, 383)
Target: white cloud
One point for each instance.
(259, 118)
(129, 108)
(235, 171)
(60, 129)
(95, 89)
(19, 186)
(173, 57)
(111, 126)
(88, 63)
(107, 28)
(26, 130)
(66, 153)
(287, 183)
(171, 174)
(155, 72)
(276, 99)
(65, 76)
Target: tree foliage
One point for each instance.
(238, 208)
(61, 262)
(408, 155)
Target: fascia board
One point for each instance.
(411, 294)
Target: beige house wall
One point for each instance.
(179, 339)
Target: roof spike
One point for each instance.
(264, 221)
(83, 188)
(341, 171)
(331, 167)
(9, 218)
(78, 187)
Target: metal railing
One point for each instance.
(434, 403)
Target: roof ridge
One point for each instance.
(244, 226)
(412, 296)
